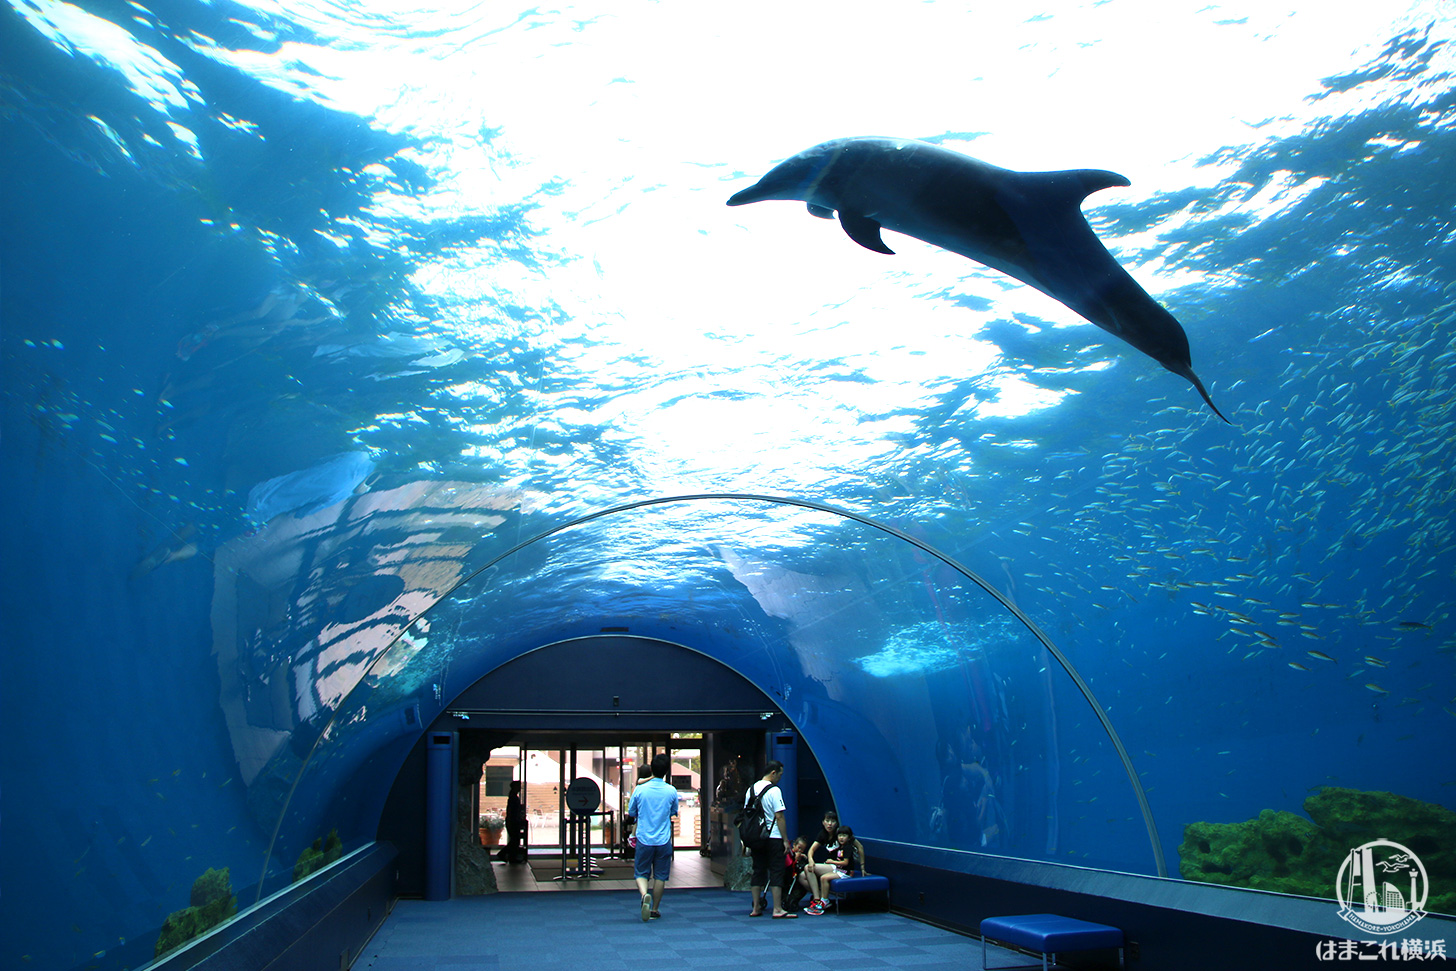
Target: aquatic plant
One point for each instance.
(320, 854)
(212, 902)
(1287, 853)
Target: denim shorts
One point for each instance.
(652, 861)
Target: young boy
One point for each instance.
(796, 885)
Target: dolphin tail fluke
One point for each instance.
(1187, 372)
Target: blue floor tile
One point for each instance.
(701, 930)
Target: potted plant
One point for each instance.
(491, 822)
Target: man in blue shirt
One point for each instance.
(653, 805)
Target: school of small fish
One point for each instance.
(1318, 535)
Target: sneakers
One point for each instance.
(815, 909)
(646, 907)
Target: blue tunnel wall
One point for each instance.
(833, 634)
(881, 655)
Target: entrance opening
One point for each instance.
(545, 766)
(568, 846)
(595, 711)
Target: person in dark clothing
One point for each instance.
(515, 851)
(825, 839)
(846, 859)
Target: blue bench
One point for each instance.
(1048, 935)
(844, 886)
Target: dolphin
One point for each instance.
(1028, 225)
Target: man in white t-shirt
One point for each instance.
(769, 854)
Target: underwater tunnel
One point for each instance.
(385, 389)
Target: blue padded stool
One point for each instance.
(841, 888)
(1048, 934)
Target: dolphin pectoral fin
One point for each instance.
(820, 211)
(864, 231)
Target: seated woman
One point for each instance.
(825, 839)
(818, 853)
(846, 859)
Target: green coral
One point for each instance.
(319, 855)
(1287, 853)
(212, 902)
(1267, 853)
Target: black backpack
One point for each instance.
(753, 827)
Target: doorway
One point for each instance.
(580, 698)
(546, 764)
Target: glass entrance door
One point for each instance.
(686, 776)
(549, 771)
(616, 769)
(545, 784)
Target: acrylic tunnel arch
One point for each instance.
(849, 655)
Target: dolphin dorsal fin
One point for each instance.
(1094, 179)
(1074, 185)
(864, 231)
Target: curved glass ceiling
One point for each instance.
(878, 651)
(882, 654)
(310, 311)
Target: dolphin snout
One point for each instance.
(753, 193)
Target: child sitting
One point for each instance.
(846, 858)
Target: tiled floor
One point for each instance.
(700, 930)
(689, 871)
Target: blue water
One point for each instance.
(314, 329)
